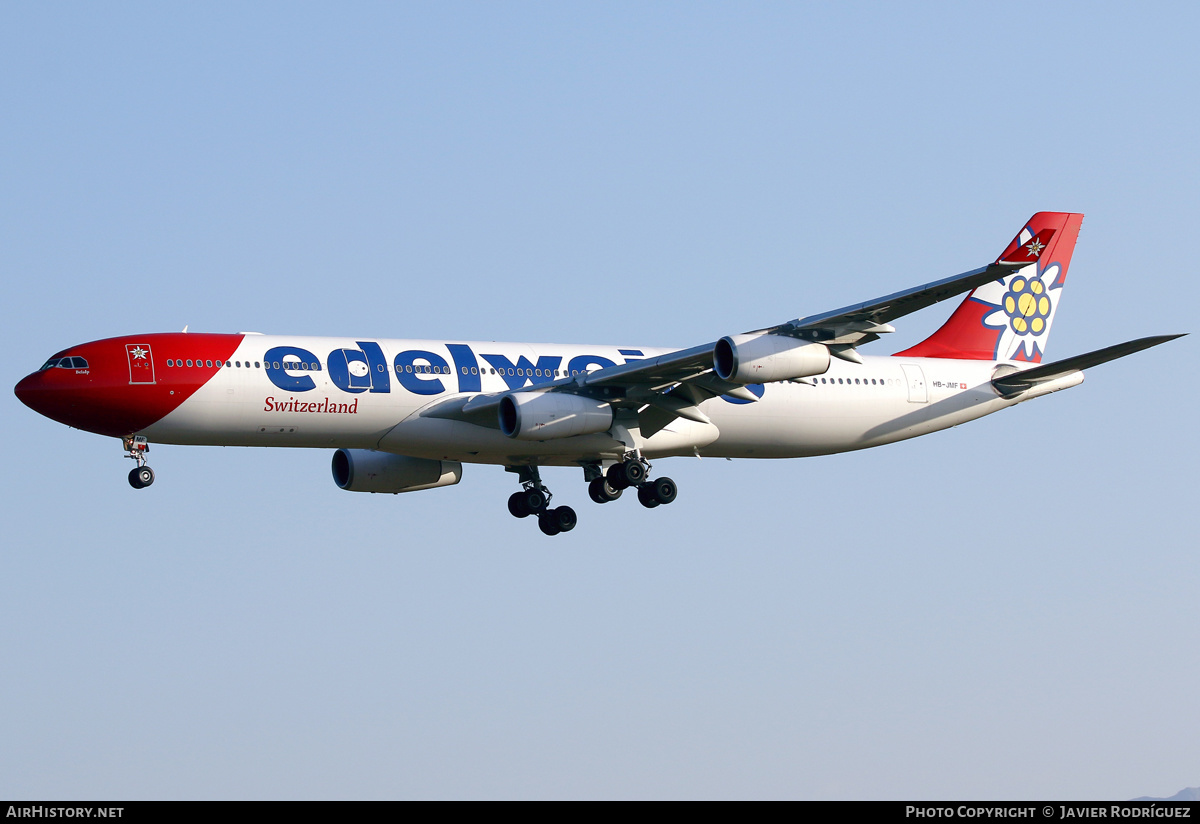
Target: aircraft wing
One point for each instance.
(863, 322)
(676, 383)
(841, 329)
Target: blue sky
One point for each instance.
(1004, 610)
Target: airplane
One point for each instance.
(405, 415)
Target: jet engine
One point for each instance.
(542, 416)
(365, 470)
(764, 358)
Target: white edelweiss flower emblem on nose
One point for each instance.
(138, 353)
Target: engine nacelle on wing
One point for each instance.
(542, 416)
(765, 358)
(365, 470)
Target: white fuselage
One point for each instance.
(393, 382)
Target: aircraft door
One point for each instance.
(917, 391)
(141, 362)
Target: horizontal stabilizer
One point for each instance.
(1020, 381)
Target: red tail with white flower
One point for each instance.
(1010, 318)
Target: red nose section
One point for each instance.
(121, 386)
(26, 391)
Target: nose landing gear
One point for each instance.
(136, 447)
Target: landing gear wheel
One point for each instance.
(664, 490)
(535, 500)
(548, 522)
(626, 474)
(141, 477)
(566, 518)
(646, 496)
(601, 491)
(516, 504)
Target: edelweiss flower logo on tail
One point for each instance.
(1023, 304)
(1009, 319)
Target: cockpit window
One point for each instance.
(65, 363)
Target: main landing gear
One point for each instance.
(632, 473)
(534, 499)
(141, 476)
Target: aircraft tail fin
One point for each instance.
(1010, 318)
